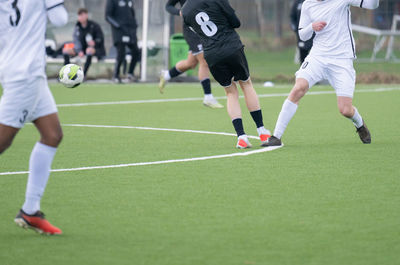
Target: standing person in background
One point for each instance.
(27, 97)
(121, 16)
(304, 46)
(195, 57)
(88, 40)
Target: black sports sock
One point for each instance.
(66, 59)
(238, 124)
(258, 118)
(206, 83)
(173, 72)
(87, 64)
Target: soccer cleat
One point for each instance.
(272, 141)
(364, 134)
(36, 222)
(212, 103)
(132, 78)
(264, 135)
(243, 142)
(162, 83)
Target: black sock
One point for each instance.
(66, 59)
(238, 124)
(173, 72)
(206, 83)
(258, 118)
(87, 64)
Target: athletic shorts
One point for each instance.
(232, 68)
(193, 40)
(339, 73)
(25, 101)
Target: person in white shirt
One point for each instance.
(27, 97)
(331, 58)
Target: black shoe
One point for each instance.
(364, 134)
(272, 141)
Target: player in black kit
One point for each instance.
(195, 57)
(304, 46)
(215, 22)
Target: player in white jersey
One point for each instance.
(331, 58)
(26, 95)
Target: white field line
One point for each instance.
(262, 150)
(377, 90)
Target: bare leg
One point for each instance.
(233, 105)
(250, 95)
(7, 135)
(204, 71)
(189, 63)
(50, 130)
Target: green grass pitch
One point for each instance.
(324, 198)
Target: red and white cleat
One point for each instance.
(264, 135)
(243, 142)
(36, 222)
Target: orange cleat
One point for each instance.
(264, 135)
(243, 142)
(36, 222)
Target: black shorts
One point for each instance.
(234, 67)
(193, 40)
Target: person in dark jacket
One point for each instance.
(121, 16)
(88, 40)
(195, 57)
(304, 46)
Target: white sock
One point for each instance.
(287, 113)
(167, 76)
(39, 171)
(357, 119)
(208, 96)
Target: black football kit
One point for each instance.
(192, 39)
(215, 22)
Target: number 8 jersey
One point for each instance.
(22, 38)
(215, 22)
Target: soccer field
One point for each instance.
(324, 198)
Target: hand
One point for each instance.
(180, 13)
(81, 54)
(318, 26)
(91, 43)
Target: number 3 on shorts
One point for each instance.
(207, 26)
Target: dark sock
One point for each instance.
(173, 72)
(258, 118)
(238, 124)
(206, 83)
(87, 64)
(66, 59)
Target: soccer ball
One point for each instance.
(71, 75)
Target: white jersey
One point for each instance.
(22, 38)
(336, 39)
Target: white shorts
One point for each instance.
(339, 73)
(25, 101)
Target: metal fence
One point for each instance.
(261, 19)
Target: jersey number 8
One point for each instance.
(207, 26)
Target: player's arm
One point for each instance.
(56, 12)
(110, 14)
(367, 4)
(170, 7)
(229, 13)
(305, 25)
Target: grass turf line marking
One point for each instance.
(237, 154)
(377, 90)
